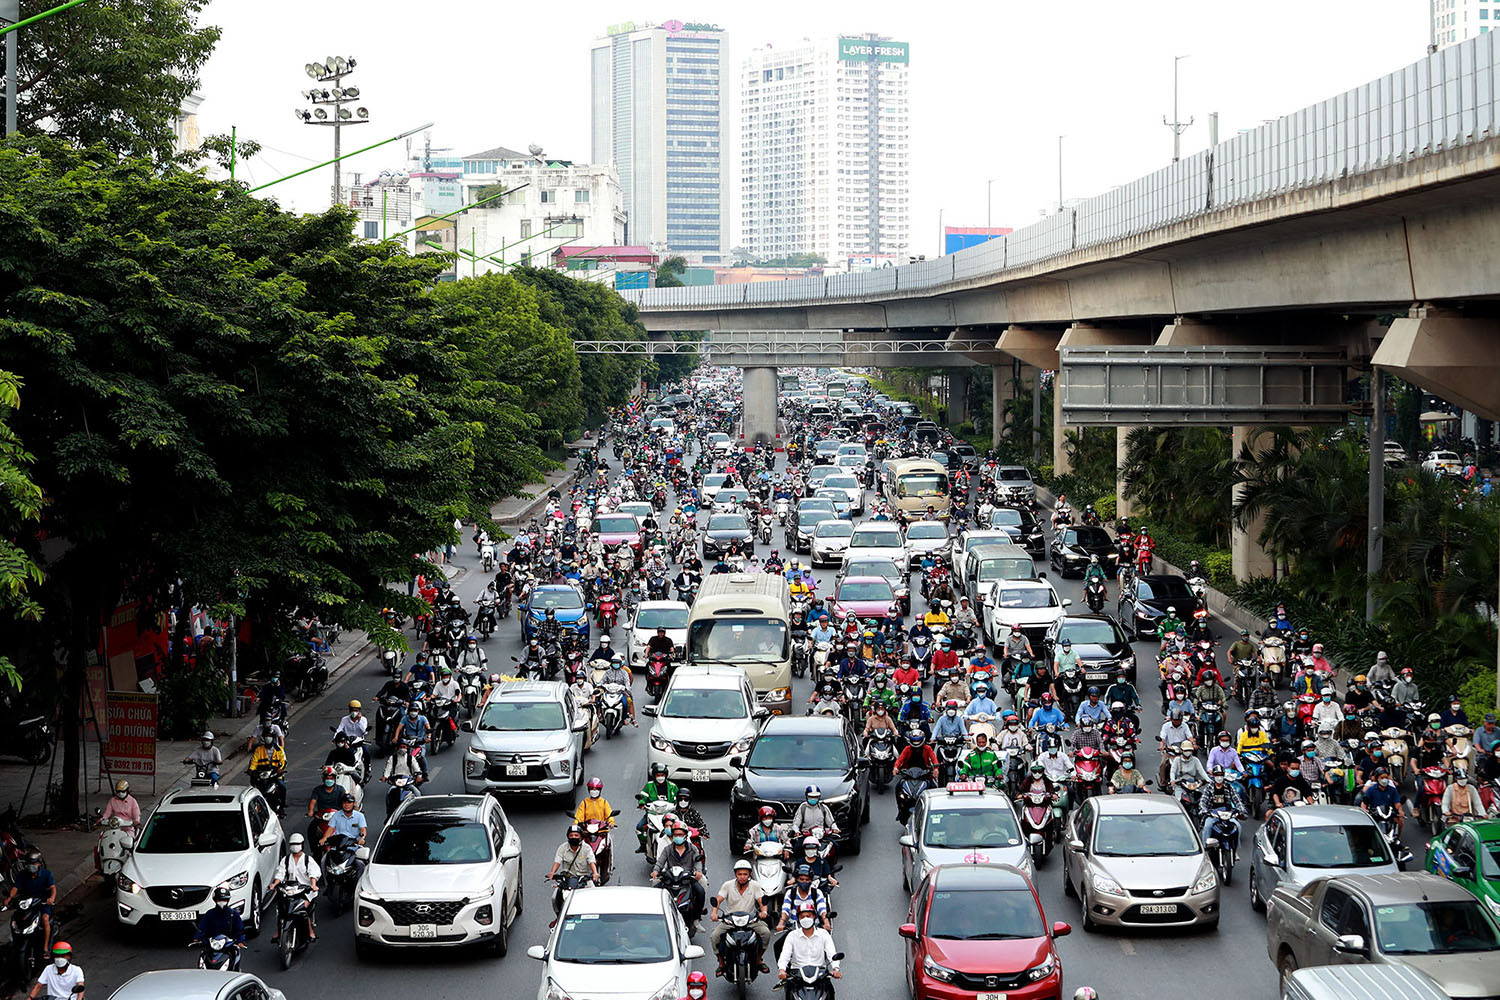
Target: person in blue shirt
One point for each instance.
(1048, 712)
(422, 671)
(914, 712)
(1281, 622)
(822, 632)
(1092, 708)
(982, 703)
(1180, 702)
(223, 919)
(852, 665)
(1382, 792)
(414, 730)
(1454, 714)
(950, 723)
(32, 881)
(919, 630)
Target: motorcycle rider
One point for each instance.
(575, 858)
(659, 643)
(765, 830)
(955, 687)
(809, 945)
(813, 812)
(1220, 794)
(603, 651)
(1047, 713)
(616, 673)
(982, 703)
(1383, 791)
(268, 754)
(1124, 692)
(1056, 765)
(123, 805)
(656, 789)
(688, 813)
(221, 919)
(679, 853)
(62, 980)
(415, 731)
(916, 753)
(206, 756)
(1092, 708)
(1405, 690)
(33, 881)
(1327, 711)
(950, 723)
(944, 658)
(447, 686)
(347, 822)
(594, 808)
(298, 866)
(1252, 736)
(1223, 755)
(1263, 699)
(354, 725)
(1461, 799)
(1242, 648)
(914, 712)
(1380, 673)
(982, 762)
(803, 895)
(1288, 780)
(1065, 658)
(741, 894)
(1186, 767)
(1094, 572)
(877, 719)
(1169, 624)
(1126, 778)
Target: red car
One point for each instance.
(864, 596)
(977, 932)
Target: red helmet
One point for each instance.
(697, 986)
(595, 783)
(767, 812)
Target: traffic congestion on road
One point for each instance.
(879, 720)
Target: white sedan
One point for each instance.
(1031, 604)
(623, 942)
(651, 615)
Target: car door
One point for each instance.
(263, 820)
(910, 855)
(917, 914)
(508, 850)
(1323, 929)
(1269, 876)
(1355, 920)
(1080, 822)
(252, 990)
(1465, 854)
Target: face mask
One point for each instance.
(207, 744)
(1456, 707)
(1309, 754)
(1223, 744)
(661, 781)
(1385, 782)
(767, 822)
(805, 922)
(679, 840)
(574, 842)
(952, 713)
(61, 963)
(1294, 772)
(594, 793)
(1378, 753)
(221, 903)
(812, 800)
(1463, 779)
(696, 992)
(121, 795)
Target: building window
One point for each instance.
(525, 228)
(580, 196)
(372, 230)
(549, 197)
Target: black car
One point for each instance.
(1102, 646)
(722, 529)
(1022, 526)
(790, 753)
(1145, 604)
(926, 430)
(1070, 555)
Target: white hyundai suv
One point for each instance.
(195, 841)
(623, 942)
(708, 715)
(1031, 604)
(446, 870)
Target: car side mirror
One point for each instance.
(537, 952)
(649, 710)
(907, 840)
(362, 853)
(1350, 944)
(1061, 928)
(1461, 871)
(693, 952)
(1270, 858)
(759, 713)
(909, 931)
(1075, 844)
(736, 762)
(467, 726)
(268, 839)
(1067, 602)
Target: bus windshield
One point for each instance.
(738, 640)
(922, 484)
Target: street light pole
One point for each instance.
(989, 200)
(1176, 124)
(1059, 173)
(334, 71)
(10, 13)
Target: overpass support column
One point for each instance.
(1250, 559)
(1061, 465)
(1002, 391)
(759, 421)
(958, 397)
(1122, 505)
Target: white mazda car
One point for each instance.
(621, 942)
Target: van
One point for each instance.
(916, 484)
(987, 564)
(743, 620)
(1360, 982)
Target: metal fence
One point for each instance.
(1447, 100)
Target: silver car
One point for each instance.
(923, 537)
(829, 540)
(528, 738)
(1137, 861)
(1297, 845)
(961, 824)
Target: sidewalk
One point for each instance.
(533, 496)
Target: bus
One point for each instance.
(787, 382)
(913, 485)
(836, 388)
(743, 620)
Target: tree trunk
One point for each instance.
(70, 689)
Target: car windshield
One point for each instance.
(738, 640)
(1088, 536)
(822, 472)
(834, 529)
(614, 525)
(1144, 835)
(562, 598)
(922, 484)
(1434, 928)
(521, 716)
(1015, 476)
(808, 518)
(654, 618)
(614, 939)
(1099, 633)
(728, 522)
(815, 503)
(717, 479)
(1029, 597)
(865, 590)
(1003, 516)
(971, 828)
(845, 462)
(1358, 845)
(433, 842)
(876, 538)
(874, 567)
(1166, 589)
(984, 915)
(1489, 859)
(705, 703)
(217, 831)
(842, 482)
(800, 752)
(1015, 568)
(926, 529)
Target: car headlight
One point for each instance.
(1039, 972)
(475, 752)
(1494, 905)
(1103, 883)
(660, 742)
(239, 881)
(941, 973)
(838, 800)
(1207, 879)
(130, 886)
(777, 696)
(667, 992)
(556, 992)
(743, 746)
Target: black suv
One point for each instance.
(790, 753)
(1102, 646)
(1022, 526)
(1070, 554)
(1145, 604)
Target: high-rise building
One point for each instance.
(1455, 20)
(825, 149)
(658, 117)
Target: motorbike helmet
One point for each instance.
(354, 705)
(221, 897)
(803, 870)
(1036, 767)
(596, 785)
(916, 737)
(295, 842)
(494, 678)
(981, 689)
(697, 982)
(604, 640)
(658, 771)
(1085, 993)
(813, 792)
(767, 812)
(208, 737)
(62, 953)
(32, 862)
(122, 788)
(1046, 697)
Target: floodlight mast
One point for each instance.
(333, 70)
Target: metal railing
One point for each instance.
(1447, 100)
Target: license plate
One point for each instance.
(424, 930)
(699, 774)
(515, 770)
(1158, 907)
(991, 996)
(1096, 677)
(179, 915)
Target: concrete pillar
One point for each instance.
(759, 423)
(1457, 357)
(1250, 559)
(1001, 393)
(1060, 464)
(958, 397)
(1123, 507)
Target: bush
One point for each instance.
(1107, 507)
(190, 698)
(1478, 695)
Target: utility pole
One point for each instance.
(1374, 548)
(1059, 174)
(1177, 125)
(10, 13)
(989, 199)
(334, 71)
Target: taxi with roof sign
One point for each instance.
(964, 822)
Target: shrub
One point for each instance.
(1106, 507)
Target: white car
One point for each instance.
(839, 498)
(620, 942)
(720, 442)
(712, 484)
(1444, 463)
(923, 537)
(651, 615)
(877, 540)
(963, 544)
(829, 540)
(1393, 450)
(1031, 604)
(853, 448)
(196, 984)
(196, 840)
(708, 715)
(445, 871)
(850, 484)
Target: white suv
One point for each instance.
(708, 715)
(446, 870)
(528, 738)
(195, 841)
(877, 540)
(622, 942)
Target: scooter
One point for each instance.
(444, 723)
(1223, 844)
(657, 812)
(402, 788)
(1255, 779)
(347, 779)
(1095, 594)
(678, 882)
(271, 781)
(880, 751)
(26, 942)
(390, 662)
(341, 871)
(950, 752)
(609, 611)
(611, 709)
(1385, 819)
(810, 982)
(1431, 785)
(601, 840)
(658, 671)
(295, 920)
(470, 686)
(116, 845)
(1088, 773)
(914, 781)
(219, 955)
(738, 947)
(770, 871)
(1038, 823)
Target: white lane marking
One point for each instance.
(1128, 947)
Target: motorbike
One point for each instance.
(485, 620)
(950, 752)
(1431, 784)
(487, 556)
(402, 788)
(341, 871)
(855, 689)
(1385, 819)
(880, 750)
(770, 871)
(810, 982)
(658, 672)
(920, 657)
(765, 529)
(600, 839)
(1096, 595)
(388, 722)
(1273, 655)
(1397, 750)
(295, 920)
(390, 662)
(678, 883)
(1088, 773)
(563, 886)
(611, 709)
(26, 944)
(913, 782)
(657, 812)
(1246, 677)
(116, 845)
(738, 948)
(471, 686)
(1039, 819)
(1223, 844)
(1255, 779)
(443, 714)
(1210, 721)
(609, 611)
(219, 954)
(271, 781)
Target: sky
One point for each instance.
(992, 85)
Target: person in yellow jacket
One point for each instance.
(595, 806)
(1253, 736)
(935, 616)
